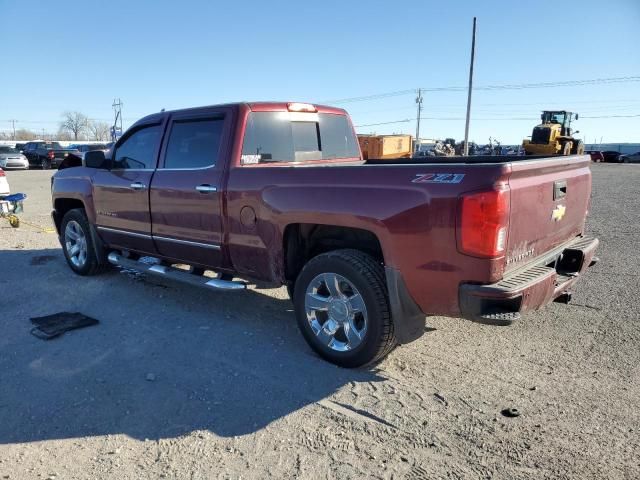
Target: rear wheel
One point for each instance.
(78, 245)
(578, 147)
(342, 308)
(45, 164)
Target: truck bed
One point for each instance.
(469, 159)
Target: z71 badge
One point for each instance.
(438, 178)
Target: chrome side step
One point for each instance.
(175, 274)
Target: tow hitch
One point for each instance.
(564, 297)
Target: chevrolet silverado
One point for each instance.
(279, 193)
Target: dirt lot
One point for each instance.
(183, 383)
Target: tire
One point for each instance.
(90, 263)
(359, 305)
(577, 148)
(566, 148)
(45, 164)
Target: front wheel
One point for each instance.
(78, 245)
(342, 308)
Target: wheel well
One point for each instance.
(62, 206)
(303, 241)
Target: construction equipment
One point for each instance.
(10, 205)
(554, 135)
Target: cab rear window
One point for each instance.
(297, 137)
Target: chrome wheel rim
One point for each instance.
(336, 312)
(75, 243)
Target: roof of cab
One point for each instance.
(253, 106)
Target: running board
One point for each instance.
(175, 274)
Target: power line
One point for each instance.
(528, 119)
(383, 123)
(514, 86)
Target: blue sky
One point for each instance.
(80, 55)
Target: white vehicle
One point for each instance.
(10, 158)
(4, 184)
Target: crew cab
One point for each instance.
(279, 193)
(46, 154)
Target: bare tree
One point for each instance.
(24, 134)
(64, 135)
(75, 123)
(99, 130)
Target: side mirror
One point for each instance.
(96, 159)
(71, 160)
(576, 116)
(576, 132)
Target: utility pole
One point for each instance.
(13, 125)
(419, 102)
(473, 53)
(43, 134)
(116, 130)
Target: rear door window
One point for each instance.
(297, 137)
(194, 143)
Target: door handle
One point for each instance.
(138, 186)
(206, 188)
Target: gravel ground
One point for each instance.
(183, 383)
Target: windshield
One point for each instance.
(297, 137)
(554, 117)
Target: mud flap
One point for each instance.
(408, 319)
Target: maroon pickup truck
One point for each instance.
(279, 193)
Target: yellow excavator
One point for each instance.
(554, 135)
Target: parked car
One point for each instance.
(46, 155)
(10, 158)
(90, 147)
(631, 158)
(596, 155)
(611, 156)
(20, 146)
(279, 193)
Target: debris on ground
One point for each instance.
(510, 412)
(441, 398)
(52, 326)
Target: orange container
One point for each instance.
(385, 146)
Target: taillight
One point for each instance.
(2, 173)
(484, 223)
(51, 155)
(301, 107)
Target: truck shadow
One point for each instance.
(165, 360)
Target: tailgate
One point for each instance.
(549, 202)
(61, 153)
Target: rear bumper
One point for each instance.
(530, 288)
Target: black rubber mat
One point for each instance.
(52, 326)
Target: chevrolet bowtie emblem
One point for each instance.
(558, 212)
